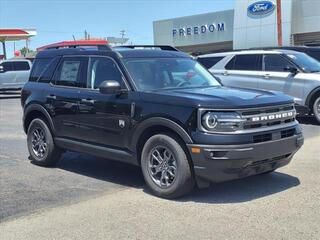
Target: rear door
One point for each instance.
(242, 71)
(275, 77)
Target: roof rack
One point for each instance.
(100, 44)
(161, 47)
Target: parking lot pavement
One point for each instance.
(84, 197)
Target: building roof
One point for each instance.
(14, 34)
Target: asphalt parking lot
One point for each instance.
(85, 197)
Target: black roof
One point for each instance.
(294, 48)
(119, 52)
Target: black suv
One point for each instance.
(158, 109)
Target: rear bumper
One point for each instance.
(219, 163)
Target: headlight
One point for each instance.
(221, 121)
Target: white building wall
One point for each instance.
(260, 31)
(306, 16)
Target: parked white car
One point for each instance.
(293, 73)
(14, 73)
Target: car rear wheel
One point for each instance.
(165, 167)
(316, 109)
(41, 146)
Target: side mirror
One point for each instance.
(110, 87)
(291, 69)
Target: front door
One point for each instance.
(105, 118)
(275, 77)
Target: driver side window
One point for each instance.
(102, 69)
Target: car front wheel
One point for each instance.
(316, 109)
(41, 146)
(165, 166)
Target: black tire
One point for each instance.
(51, 155)
(316, 109)
(183, 181)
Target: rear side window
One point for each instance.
(21, 66)
(71, 72)
(7, 66)
(249, 62)
(209, 62)
(38, 67)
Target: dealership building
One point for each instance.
(251, 24)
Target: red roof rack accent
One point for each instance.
(74, 44)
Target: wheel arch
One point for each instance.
(33, 111)
(154, 126)
(312, 97)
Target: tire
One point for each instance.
(163, 184)
(316, 109)
(49, 154)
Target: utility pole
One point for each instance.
(122, 34)
(279, 23)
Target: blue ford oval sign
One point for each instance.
(261, 8)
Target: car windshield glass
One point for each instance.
(304, 61)
(168, 73)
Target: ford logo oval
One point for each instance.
(261, 8)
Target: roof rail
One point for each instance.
(161, 47)
(100, 44)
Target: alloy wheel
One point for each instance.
(39, 144)
(162, 166)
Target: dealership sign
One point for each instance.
(261, 9)
(198, 30)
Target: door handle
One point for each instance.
(51, 96)
(225, 73)
(267, 75)
(87, 101)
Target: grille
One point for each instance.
(262, 138)
(268, 116)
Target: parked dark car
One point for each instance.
(157, 109)
(311, 51)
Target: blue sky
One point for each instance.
(58, 20)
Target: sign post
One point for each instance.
(279, 23)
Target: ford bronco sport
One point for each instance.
(158, 109)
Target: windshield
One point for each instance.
(168, 73)
(305, 62)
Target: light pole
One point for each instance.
(279, 23)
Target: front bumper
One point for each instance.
(219, 163)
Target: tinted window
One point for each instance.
(103, 69)
(314, 54)
(209, 62)
(275, 63)
(46, 75)
(39, 65)
(21, 66)
(71, 72)
(7, 66)
(230, 64)
(304, 61)
(247, 62)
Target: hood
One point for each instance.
(218, 97)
